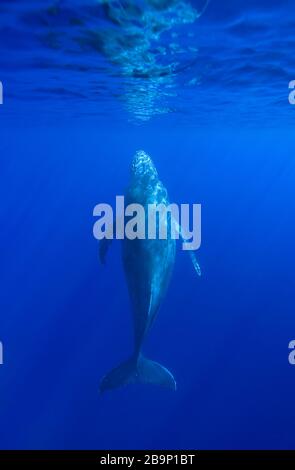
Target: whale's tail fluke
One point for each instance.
(138, 370)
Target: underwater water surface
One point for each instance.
(203, 88)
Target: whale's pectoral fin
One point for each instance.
(138, 370)
(191, 253)
(104, 245)
(195, 263)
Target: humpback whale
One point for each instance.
(148, 265)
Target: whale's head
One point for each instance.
(143, 171)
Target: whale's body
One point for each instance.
(148, 265)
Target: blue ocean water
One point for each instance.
(203, 88)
